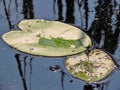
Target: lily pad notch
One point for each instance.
(47, 38)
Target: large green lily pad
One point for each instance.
(47, 38)
(92, 67)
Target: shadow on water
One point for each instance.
(99, 19)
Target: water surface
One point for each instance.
(20, 71)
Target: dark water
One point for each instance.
(20, 71)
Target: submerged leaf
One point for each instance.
(47, 38)
(91, 68)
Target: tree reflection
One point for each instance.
(88, 87)
(7, 14)
(25, 68)
(86, 13)
(103, 26)
(60, 9)
(94, 86)
(104, 29)
(12, 13)
(28, 9)
(70, 11)
(16, 4)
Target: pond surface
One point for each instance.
(20, 71)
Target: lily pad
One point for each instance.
(91, 67)
(47, 38)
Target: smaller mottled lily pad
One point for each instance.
(91, 67)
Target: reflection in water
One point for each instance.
(62, 5)
(70, 11)
(25, 68)
(95, 86)
(60, 9)
(103, 27)
(86, 13)
(7, 14)
(58, 68)
(28, 9)
(104, 31)
(16, 5)
(88, 87)
(55, 68)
